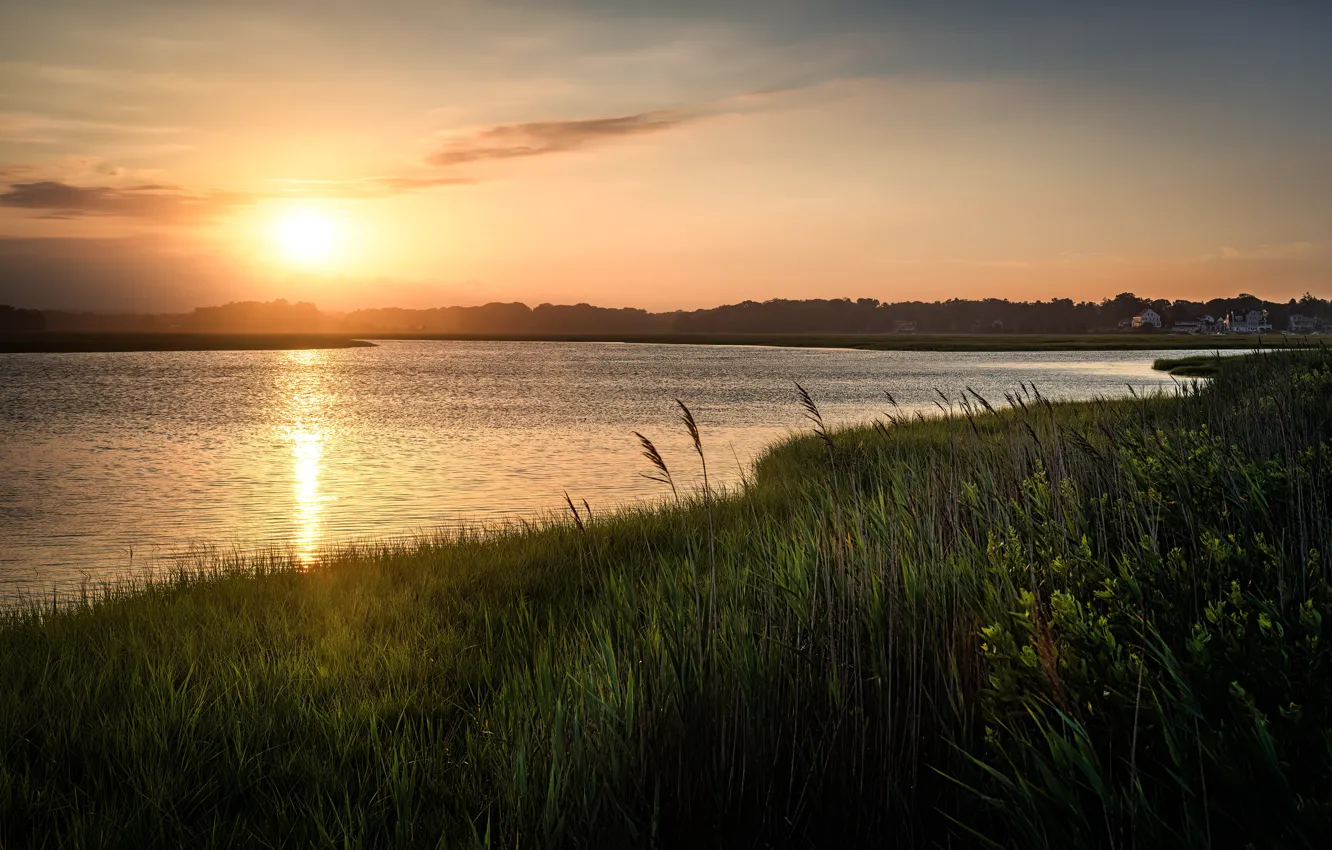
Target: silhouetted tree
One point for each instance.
(255, 317)
(18, 319)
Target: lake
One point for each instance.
(109, 462)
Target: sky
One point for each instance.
(162, 155)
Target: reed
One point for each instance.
(1102, 624)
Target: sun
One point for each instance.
(307, 237)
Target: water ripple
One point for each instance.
(150, 453)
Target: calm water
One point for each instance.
(108, 461)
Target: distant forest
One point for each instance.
(839, 315)
(12, 319)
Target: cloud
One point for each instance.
(38, 128)
(499, 142)
(368, 187)
(512, 141)
(66, 195)
(408, 184)
(166, 203)
(115, 79)
(151, 201)
(538, 138)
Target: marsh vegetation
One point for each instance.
(1024, 624)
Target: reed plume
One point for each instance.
(663, 473)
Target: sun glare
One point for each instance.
(307, 237)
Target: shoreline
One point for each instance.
(51, 342)
(896, 342)
(1199, 366)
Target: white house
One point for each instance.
(1148, 318)
(1300, 324)
(1252, 322)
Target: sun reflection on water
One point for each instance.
(307, 430)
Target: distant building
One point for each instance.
(904, 326)
(1252, 322)
(1200, 325)
(1300, 324)
(1148, 318)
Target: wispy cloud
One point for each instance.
(151, 201)
(537, 138)
(40, 129)
(108, 79)
(367, 187)
(89, 186)
(498, 142)
(165, 203)
(408, 184)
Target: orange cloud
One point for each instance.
(370, 187)
(537, 138)
(150, 201)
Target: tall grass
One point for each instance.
(1028, 625)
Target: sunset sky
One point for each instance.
(164, 155)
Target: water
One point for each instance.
(111, 461)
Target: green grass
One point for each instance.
(1104, 624)
(1197, 366)
(902, 342)
(63, 342)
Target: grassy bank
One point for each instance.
(1198, 366)
(903, 342)
(60, 342)
(1104, 624)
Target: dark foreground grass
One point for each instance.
(905, 342)
(1028, 625)
(62, 342)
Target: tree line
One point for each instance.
(833, 315)
(16, 319)
(777, 316)
(278, 316)
(990, 315)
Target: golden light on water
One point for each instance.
(307, 432)
(307, 451)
